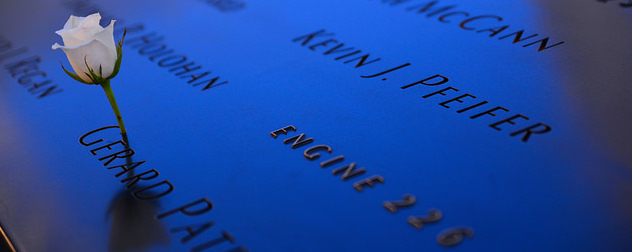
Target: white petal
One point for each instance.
(79, 30)
(90, 21)
(73, 22)
(70, 39)
(106, 36)
(57, 46)
(95, 53)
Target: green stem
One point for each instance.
(108, 91)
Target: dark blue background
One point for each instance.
(568, 190)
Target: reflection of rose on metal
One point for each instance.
(93, 55)
(133, 224)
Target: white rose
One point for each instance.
(87, 44)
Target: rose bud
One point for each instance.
(90, 48)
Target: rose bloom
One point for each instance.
(86, 41)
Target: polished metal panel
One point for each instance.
(469, 126)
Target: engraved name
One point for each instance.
(118, 154)
(323, 41)
(226, 5)
(26, 71)
(490, 25)
(151, 45)
(334, 48)
(476, 109)
(623, 4)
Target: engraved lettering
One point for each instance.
(134, 179)
(385, 72)
(443, 17)
(370, 182)
(298, 141)
(126, 167)
(428, 6)
(185, 68)
(308, 37)
(494, 30)
(332, 161)
(462, 25)
(418, 221)
(12, 53)
(489, 112)
(324, 43)
(543, 42)
(146, 39)
(458, 99)
(408, 200)
(308, 152)
(394, 2)
(508, 120)
(441, 92)
(348, 171)
(210, 83)
(149, 38)
(194, 77)
(335, 49)
(158, 55)
(108, 146)
(50, 91)
(172, 60)
(150, 196)
(158, 48)
(81, 139)
(347, 55)
(454, 236)
(37, 85)
(538, 128)
(445, 14)
(192, 230)
(362, 60)
(114, 156)
(424, 81)
(473, 106)
(26, 78)
(283, 131)
(226, 5)
(518, 36)
(238, 249)
(23, 66)
(151, 46)
(188, 209)
(129, 29)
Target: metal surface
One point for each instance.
(420, 157)
(5, 242)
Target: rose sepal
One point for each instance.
(74, 75)
(97, 79)
(119, 56)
